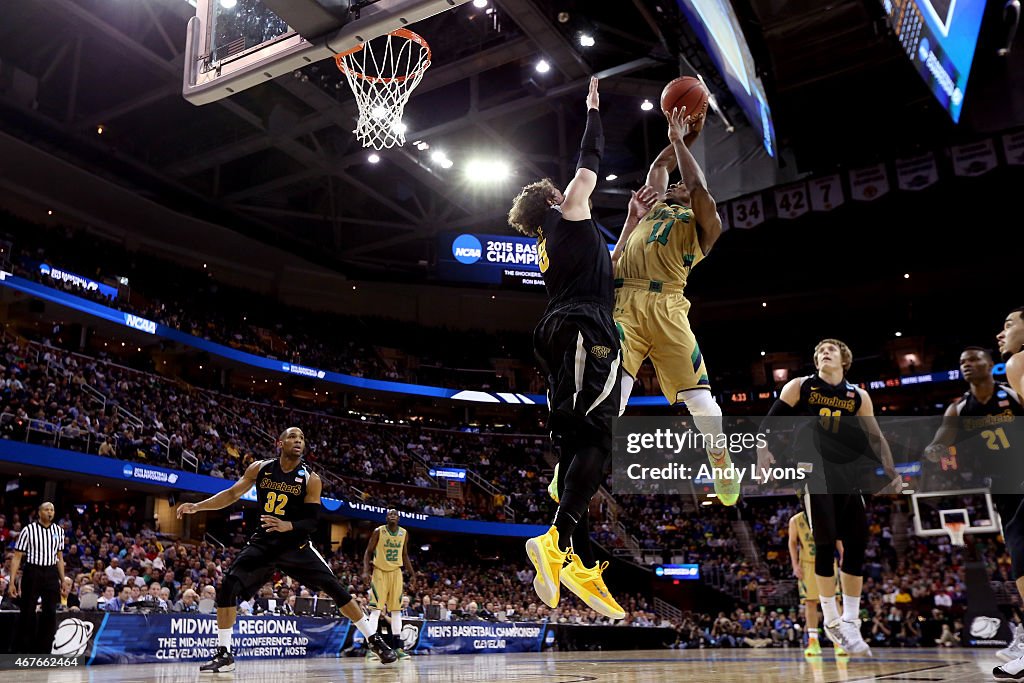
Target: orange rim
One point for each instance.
(339, 59)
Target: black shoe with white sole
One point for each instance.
(223, 662)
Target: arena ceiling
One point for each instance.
(279, 162)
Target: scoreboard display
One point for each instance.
(939, 37)
(504, 260)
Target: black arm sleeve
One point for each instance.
(781, 409)
(310, 513)
(592, 146)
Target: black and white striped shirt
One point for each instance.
(41, 544)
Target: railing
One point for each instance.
(667, 610)
(188, 458)
(44, 433)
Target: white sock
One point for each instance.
(373, 620)
(364, 627)
(851, 607)
(224, 638)
(829, 609)
(396, 624)
(812, 634)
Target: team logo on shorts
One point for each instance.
(600, 351)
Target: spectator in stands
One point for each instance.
(68, 598)
(115, 573)
(118, 603)
(452, 612)
(107, 598)
(189, 602)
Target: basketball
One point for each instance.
(685, 91)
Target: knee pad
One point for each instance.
(700, 403)
(707, 414)
(230, 589)
(825, 558)
(853, 559)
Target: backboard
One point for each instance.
(973, 507)
(232, 45)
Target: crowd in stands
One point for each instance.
(53, 397)
(192, 301)
(126, 565)
(114, 562)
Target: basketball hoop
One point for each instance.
(383, 72)
(956, 533)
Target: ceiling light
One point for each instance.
(485, 171)
(899, 334)
(399, 127)
(479, 4)
(447, 163)
(373, 158)
(228, 4)
(647, 105)
(99, 129)
(586, 40)
(543, 67)
(611, 176)
(379, 112)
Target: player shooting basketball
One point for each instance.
(653, 259)
(578, 351)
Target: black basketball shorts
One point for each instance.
(258, 560)
(577, 347)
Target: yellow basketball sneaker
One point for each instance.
(547, 561)
(553, 486)
(839, 651)
(727, 489)
(589, 586)
(813, 648)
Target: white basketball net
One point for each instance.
(956, 533)
(383, 73)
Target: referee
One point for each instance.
(41, 543)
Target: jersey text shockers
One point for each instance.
(281, 494)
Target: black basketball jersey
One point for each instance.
(574, 260)
(281, 494)
(818, 397)
(990, 421)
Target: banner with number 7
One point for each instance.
(826, 193)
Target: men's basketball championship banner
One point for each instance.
(479, 637)
(100, 638)
(137, 638)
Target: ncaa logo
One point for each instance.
(466, 249)
(924, 49)
(127, 470)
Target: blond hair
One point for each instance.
(845, 355)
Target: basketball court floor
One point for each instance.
(696, 666)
